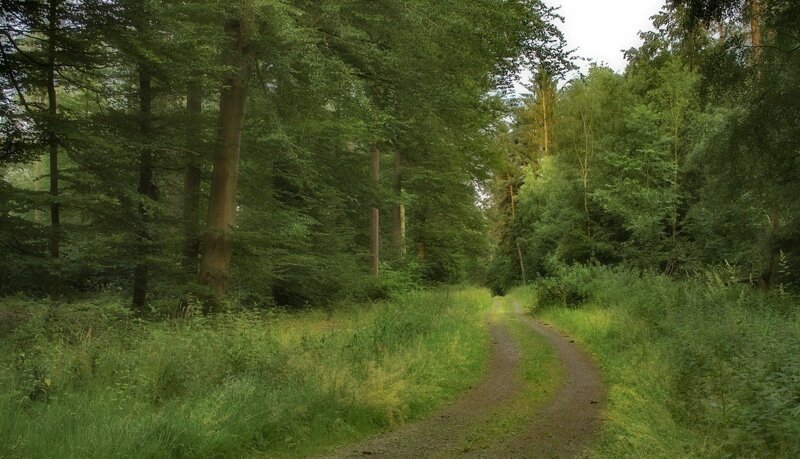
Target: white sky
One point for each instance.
(602, 29)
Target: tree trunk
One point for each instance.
(522, 264)
(588, 153)
(37, 173)
(191, 185)
(755, 29)
(512, 199)
(375, 218)
(147, 190)
(218, 241)
(52, 141)
(676, 183)
(775, 250)
(399, 212)
(516, 241)
(545, 125)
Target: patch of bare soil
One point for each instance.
(563, 427)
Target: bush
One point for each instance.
(569, 287)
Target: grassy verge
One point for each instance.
(88, 382)
(540, 374)
(695, 368)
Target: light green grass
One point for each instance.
(694, 368)
(283, 385)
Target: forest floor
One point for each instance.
(541, 396)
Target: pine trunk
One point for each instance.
(521, 259)
(375, 218)
(755, 29)
(52, 141)
(399, 211)
(522, 264)
(774, 267)
(215, 261)
(192, 179)
(545, 123)
(146, 189)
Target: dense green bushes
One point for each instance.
(80, 382)
(699, 367)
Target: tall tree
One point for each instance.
(52, 141)
(146, 188)
(399, 208)
(237, 58)
(193, 174)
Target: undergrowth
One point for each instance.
(695, 368)
(88, 381)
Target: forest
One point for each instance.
(304, 228)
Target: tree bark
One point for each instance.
(37, 173)
(399, 211)
(545, 124)
(192, 179)
(676, 181)
(215, 261)
(775, 250)
(146, 189)
(516, 241)
(585, 164)
(375, 218)
(755, 29)
(52, 141)
(522, 264)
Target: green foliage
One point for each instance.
(568, 287)
(136, 88)
(685, 161)
(699, 367)
(97, 385)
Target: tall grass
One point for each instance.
(695, 367)
(87, 381)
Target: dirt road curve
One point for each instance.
(566, 425)
(563, 427)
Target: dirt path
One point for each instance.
(561, 428)
(568, 423)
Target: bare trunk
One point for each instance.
(775, 250)
(399, 212)
(676, 187)
(545, 124)
(755, 29)
(37, 173)
(587, 154)
(375, 218)
(52, 141)
(512, 199)
(218, 242)
(191, 185)
(516, 241)
(147, 191)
